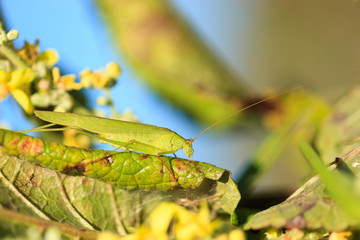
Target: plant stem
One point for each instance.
(68, 230)
(8, 52)
(12, 56)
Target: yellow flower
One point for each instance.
(88, 78)
(271, 233)
(340, 235)
(4, 79)
(188, 226)
(49, 57)
(237, 235)
(71, 138)
(145, 233)
(95, 79)
(65, 82)
(99, 79)
(17, 83)
(191, 226)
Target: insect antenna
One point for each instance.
(247, 107)
(272, 97)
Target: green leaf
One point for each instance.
(86, 202)
(340, 133)
(340, 186)
(37, 191)
(312, 206)
(201, 85)
(330, 205)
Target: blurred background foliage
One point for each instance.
(213, 57)
(209, 59)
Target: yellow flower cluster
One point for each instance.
(97, 79)
(52, 87)
(187, 226)
(66, 82)
(17, 82)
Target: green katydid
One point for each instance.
(132, 136)
(138, 137)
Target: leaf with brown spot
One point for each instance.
(83, 201)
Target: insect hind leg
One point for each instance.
(172, 174)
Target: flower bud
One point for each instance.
(12, 35)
